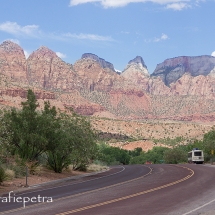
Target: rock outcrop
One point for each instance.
(173, 69)
(13, 62)
(46, 70)
(136, 71)
(104, 64)
(93, 76)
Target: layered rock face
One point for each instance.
(173, 69)
(93, 76)
(13, 62)
(110, 90)
(46, 70)
(181, 88)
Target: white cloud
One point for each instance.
(61, 55)
(213, 54)
(163, 37)
(88, 37)
(178, 6)
(33, 31)
(15, 29)
(122, 3)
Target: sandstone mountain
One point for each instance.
(13, 62)
(92, 87)
(173, 69)
(104, 64)
(136, 69)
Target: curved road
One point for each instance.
(137, 189)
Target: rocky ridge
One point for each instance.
(136, 69)
(174, 68)
(104, 64)
(92, 87)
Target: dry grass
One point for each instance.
(9, 174)
(96, 168)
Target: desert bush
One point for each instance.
(19, 170)
(96, 168)
(33, 167)
(9, 174)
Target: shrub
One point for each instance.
(2, 174)
(9, 174)
(19, 170)
(175, 156)
(96, 167)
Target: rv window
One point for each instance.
(197, 153)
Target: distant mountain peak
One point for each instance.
(9, 46)
(174, 68)
(44, 51)
(103, 63)
(136, 65)
(138, 60)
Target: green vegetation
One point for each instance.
(54, 138)
(2, 175)
(169, 142)
(113, 155)
(156, 156)
(175, 156)
(57, 140)
(209, 145)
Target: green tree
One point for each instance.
(65, 138)
(73, 142)
(155, 155)
(5, 136)
(209, 144)
(136, 152)
(140, 159)
(175, 156)
(113, 155)
(26, 129)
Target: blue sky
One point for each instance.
(116, 30)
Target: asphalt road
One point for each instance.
(137, 189)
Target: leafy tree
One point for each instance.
(136, 152)
(209, 144)
(72, 142)
(140, 159)
(64, 138)
(113, 155)
(155, 155)
(191, 145)
(4, 136)
(26, 129)
(175, 156)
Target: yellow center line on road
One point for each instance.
(129, 196)
(87, 192)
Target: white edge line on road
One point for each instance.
(199, 207)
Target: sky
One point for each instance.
(115, 30)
